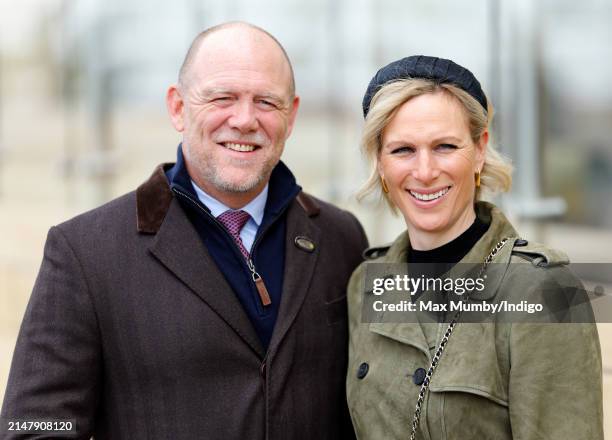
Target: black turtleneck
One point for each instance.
(453, 251)
(438, 261)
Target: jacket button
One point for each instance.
(521, 242)
(419, 376)
(362, 370)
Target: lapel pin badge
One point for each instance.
(304, 243)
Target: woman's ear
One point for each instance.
(481, 150)
(379, 166)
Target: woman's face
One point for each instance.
(428, 160)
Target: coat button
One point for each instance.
(362, 371)
(521, 242)
(419, 376)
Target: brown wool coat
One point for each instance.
(132, 331)
(521, 381)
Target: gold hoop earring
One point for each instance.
(384, 185)
(477, 179)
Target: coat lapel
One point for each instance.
(406, 333)
(178, 247)
(300, 265)
(409, 333)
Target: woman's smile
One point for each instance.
(429, 196)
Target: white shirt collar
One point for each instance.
(255, 207)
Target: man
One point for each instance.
(209, 303)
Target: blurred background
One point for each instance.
(83, 118)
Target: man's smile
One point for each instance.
(239, 147)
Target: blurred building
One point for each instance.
(544, 64)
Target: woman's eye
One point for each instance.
(400, 150)
(447, 147)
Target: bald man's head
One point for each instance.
(189, 61)
(235, 106)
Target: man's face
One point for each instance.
(237, 112)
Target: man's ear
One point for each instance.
(176, 107)
(292, 114)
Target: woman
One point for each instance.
(426, 134)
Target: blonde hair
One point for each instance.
(496, 174)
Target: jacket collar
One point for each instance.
(499, 228)
(153, 197)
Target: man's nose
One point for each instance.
(426, 168)
(244, 117)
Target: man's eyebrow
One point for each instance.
(216, 91)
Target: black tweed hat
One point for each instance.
(421, 66)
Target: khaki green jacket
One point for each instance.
(522, 381)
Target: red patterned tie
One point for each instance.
(234, 221)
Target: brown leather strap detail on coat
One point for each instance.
(308, 204)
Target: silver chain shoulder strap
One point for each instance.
(444, 341)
